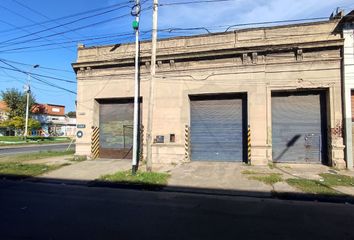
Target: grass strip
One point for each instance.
(140, 178)
(311, 186)
(269, 179)
(30, 170)
(337, 180)
(34, 156)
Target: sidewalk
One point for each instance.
(87, 171)
(208, 177)
(237, 178)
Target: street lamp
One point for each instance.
(27, 89)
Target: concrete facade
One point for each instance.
(348, 75)
(252, 61)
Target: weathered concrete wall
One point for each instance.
(348, 75)
(247, 38)
(255, 62)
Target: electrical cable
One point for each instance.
(61, 25)
(275, 22)
(27, 64)
(36, 74)
(194, 2)
(78, 28)
(38, 79)
(40, 14)
(70, 16)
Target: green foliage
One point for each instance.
(33, 124)
(19, 140)
(71, 114)
(145, 178)
(311, 186)
(20, 169)
(35, 156)
(269, 179)
(249, 172)
(18, 123)
(337, 180)
(16, 102)
(11, 139)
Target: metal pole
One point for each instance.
(27, 105)
(136, 95)
(28, 90)
(151, 87)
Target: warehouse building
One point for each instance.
(259, 95)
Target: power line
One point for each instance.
(110, 41)
(37, 78)
(275, 22)
(61, 25)
(27, 64)
(79, 40)
(28, 19)
(35, 74)
(168, 31)
(70, 16)
(38, 13)
(82, 27)
(73, 41)
(194, 2)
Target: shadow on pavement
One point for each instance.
(332, 198)
(35, 208)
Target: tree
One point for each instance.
(33, 124)
(16, 102)
(71, 114)
(18, 123)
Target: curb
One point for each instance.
(344, 199)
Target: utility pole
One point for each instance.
(151, 87)
(136, 13)
(27, 89)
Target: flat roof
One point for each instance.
(220, 33)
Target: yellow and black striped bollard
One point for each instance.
(95, 142)
(186, 143)
(249, 143)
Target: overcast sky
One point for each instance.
(17, 15)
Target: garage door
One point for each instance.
(217, 131)
(298, 127)
(116, 129)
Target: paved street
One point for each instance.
(49, 211)
(34, 148)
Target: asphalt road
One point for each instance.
(34, 148)
(49, 211)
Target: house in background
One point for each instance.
(4, 111)
(53, 120)
(4, 115)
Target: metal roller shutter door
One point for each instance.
(116, 130)
(217, 130)
(298, 125)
